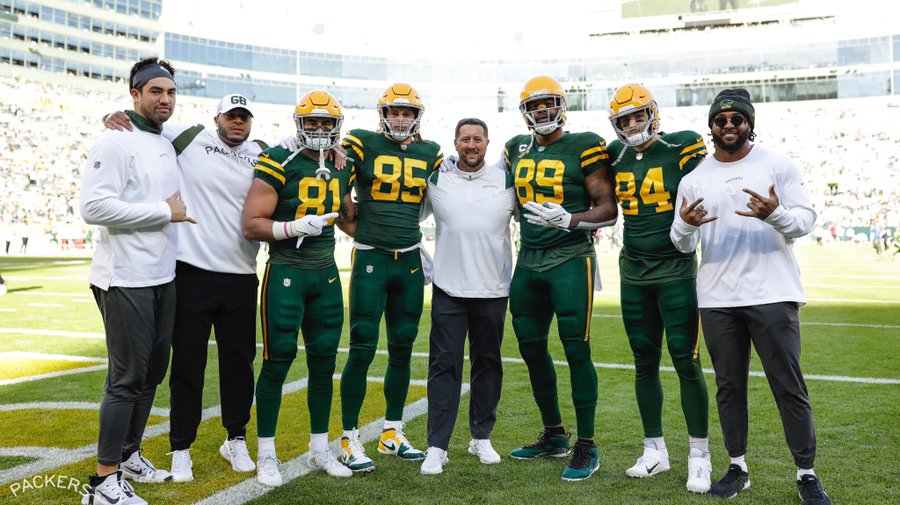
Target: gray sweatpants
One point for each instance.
(138, 324)
(451, 319)
(774, 330)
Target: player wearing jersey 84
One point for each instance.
(657, 281)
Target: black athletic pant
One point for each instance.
(451, 319)
(138, 324)
(774, 330)
(226, 302)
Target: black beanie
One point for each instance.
(733, 99)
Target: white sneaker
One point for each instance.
(652, 462)
(485, 452)
(435, 459)
(113, 490)
(267, 472)
(353, 454)
(325, 460)
(140, 469)
(699, 471)
(182, 466)
(235, 452)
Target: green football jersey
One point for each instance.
(300, 193)
(390, 186)
(556, 174)
(646, 188)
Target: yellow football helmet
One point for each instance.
(400, 95)
(627, 100)
(320, 105)
(533, 99)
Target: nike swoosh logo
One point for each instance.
(108, 498)
(389, 445)
(414, 270)
(332, 280)
(651, 468)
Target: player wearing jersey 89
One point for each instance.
(392, 166)
(563, 182)
(658, 289)
(293, 206)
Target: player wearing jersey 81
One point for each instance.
(563, 183)
(293, 206)
(392, 166)
(658, 289)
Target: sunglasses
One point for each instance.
(736, 120)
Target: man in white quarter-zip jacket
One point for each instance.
(472, 203)
(130, 189)
(745, 205)
(216, 280)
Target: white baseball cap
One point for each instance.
(234, 101)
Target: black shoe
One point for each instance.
(811, 491)
(734, 481)
(548, 445)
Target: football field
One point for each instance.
(53, 365)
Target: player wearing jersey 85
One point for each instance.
(563, 182)
(392, 166)
(657, 281)
(294, 207)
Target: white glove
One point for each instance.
(306, 226)
(290, 143)
(551, 215)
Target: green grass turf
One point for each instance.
(851, 327)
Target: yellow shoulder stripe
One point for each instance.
(272, 164)
(591, 151)
(351, 139)
(689, 157)
(691, 147)
(599, 157)
(267, 170)
(357, 150)
(437, 163)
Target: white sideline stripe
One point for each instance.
(851, 300)
(52, 305)
(853, 325)
(51, 457)
(297, 467)
(851, 286)
(832, 378)
(50, 375)
(50, 293)
(4, 309)
(56, 357)
(155, 411)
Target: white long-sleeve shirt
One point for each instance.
(473, 251)
(745, 261)
(125, 182)
(215, 180)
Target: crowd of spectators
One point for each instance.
(845, 148)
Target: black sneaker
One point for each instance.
(585, 461)
(734, 481)
(547, 446)
(811, 491)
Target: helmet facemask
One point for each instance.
(636, 136)
(399, 129)
(319, 139)
(542, 117)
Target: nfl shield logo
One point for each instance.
(287, 283)
(369, 269)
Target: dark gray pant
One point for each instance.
(774, 330)
(451, 319)
(138, 324)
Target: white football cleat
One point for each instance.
(699, 471)
(325, 460)
(652, 462)
(267, 472)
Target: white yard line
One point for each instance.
(51, 375)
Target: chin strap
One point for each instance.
(322, 172)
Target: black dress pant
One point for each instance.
(226, 302)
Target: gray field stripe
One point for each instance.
(297, 467)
